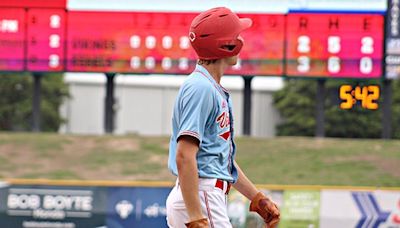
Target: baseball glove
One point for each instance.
(201, 223)
(266, 208)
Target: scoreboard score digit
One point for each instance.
(334, 45)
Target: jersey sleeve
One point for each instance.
(195, 109)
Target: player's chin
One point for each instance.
(232, 60)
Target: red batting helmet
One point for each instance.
(214, 34)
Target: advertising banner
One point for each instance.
(393, 40)
(136, 207)
(300, 209)
(360, 209)
(52, 206)
(47, 206)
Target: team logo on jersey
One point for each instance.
(224, 122)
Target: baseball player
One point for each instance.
(202, 150)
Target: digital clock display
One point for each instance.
(367, 96)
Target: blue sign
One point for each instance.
(136, 207)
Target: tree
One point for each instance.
(16, 91)
(396, 109)
(296, 104)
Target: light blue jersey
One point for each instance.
(203, 109)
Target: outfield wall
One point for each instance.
(152, 98)
(73, 204)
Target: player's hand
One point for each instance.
(201, 223)
(266, 208)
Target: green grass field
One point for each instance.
(281, 160)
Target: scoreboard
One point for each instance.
(314, 44)
(334, 45)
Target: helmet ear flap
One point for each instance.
(231, 48)
(240, 43)
(238, 47)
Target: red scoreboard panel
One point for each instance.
(158, 43)
(334, 45)
(92, 41)
(12, 39)
(263, 50)
(45, 39)
(129, 42)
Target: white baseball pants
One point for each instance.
(213, 200)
